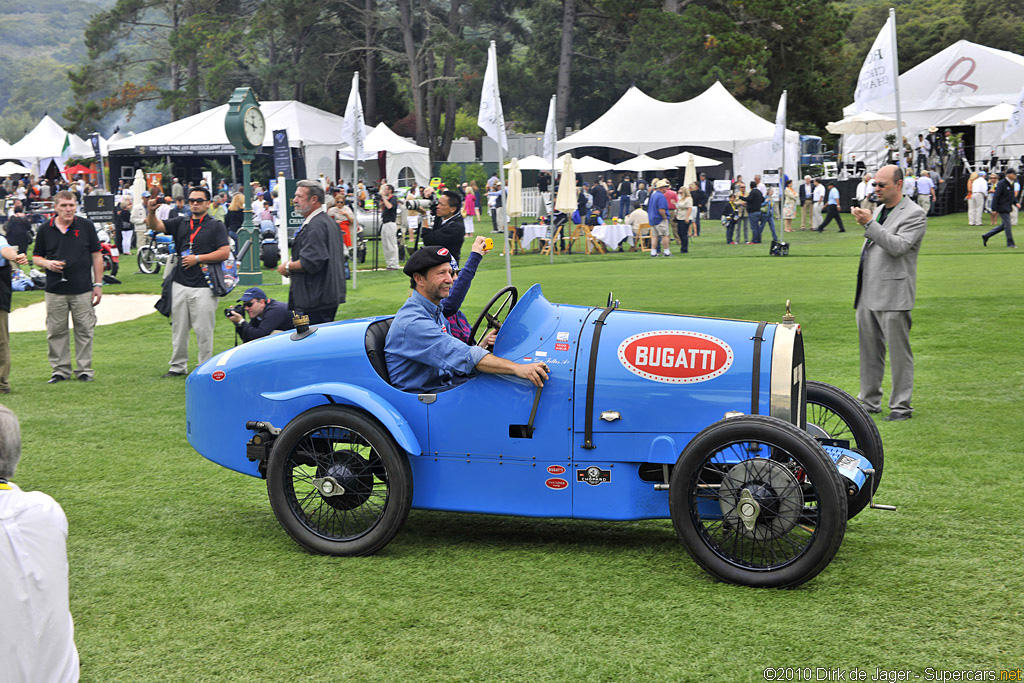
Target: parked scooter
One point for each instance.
(155, 252)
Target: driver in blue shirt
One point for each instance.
(421, 355)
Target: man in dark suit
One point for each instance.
(600, 196)
(1003, 202)
(449, 230)
(754, 200)
(700, 201)
(317, 268)
(886, 285)
(806, 203)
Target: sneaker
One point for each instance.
(85, 378)
(55, 379)
(654, 254)
(172, 373)
(667, 253)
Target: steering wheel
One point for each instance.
(494, 320)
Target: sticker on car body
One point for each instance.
(675, 356)
(556, 483)
(556, 469)
(594, 475)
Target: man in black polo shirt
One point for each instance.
(8, 253)
(199, 241)
(68, 249)
(449, 229)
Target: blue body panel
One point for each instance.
(467, 444)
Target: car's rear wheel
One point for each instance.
(834, 414)
(757, 502)
(148, 263)
(338, 483)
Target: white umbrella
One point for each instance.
(643, 163)
(531, 163)
(515, 189)
(997, 114)
(862, 123)
(11, 168)
(138, 215)
(691, 172)
(683, 158)
(565, 201)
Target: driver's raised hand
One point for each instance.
(535, 372)
(478, 245)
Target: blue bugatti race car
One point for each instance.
(705, 421)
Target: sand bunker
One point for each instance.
(113, 308)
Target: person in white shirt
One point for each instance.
(976, 204)
(163, 212)
(909, 185)
(37, 634)
(925, 191)
(819, 204)
(865, 192)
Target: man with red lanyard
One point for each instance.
(199, 240)
(68, 249)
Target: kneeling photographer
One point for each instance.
(265, 315)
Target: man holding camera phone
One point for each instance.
(266, 315)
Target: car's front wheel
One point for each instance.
(338, 483)
(757, 502)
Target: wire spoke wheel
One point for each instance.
(147, 260)
(834, 414)
(757, 502)
(337, 482)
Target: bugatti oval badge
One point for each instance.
(556, 483)
(675, 356)
(556, 469)
(218, 375)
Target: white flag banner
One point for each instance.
(780, 126)
(550, 135)
(878, 75)
(1013, 123)
(491, 117)
(353, 128)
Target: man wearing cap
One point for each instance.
(317, 268)
(1003, 202)
(657, 216)
(266, 315)
(421, 354)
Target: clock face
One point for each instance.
(254, 127)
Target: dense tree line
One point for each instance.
(422, 61)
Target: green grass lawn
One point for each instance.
(180, 572)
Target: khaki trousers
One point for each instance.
(389, 244)
(924, 201)
(805, 211)
(192, 308)
(975, 208)
(5, 353)
(58, 339)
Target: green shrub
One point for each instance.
(451, 175)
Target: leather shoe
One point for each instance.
(873, 411)
(174, 374)
(984, 240)
(85, 378)
(897, 417)
(55, 379)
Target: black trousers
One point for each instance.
(322, 315)
(832, 212)
(1004, 226)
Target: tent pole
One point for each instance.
(896, 90)
(355, 212)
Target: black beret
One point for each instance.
(427, 257)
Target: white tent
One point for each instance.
(639, 124)
(4, 149)
(45, 143)
(531, 163)
(683, 158)
(401, 153)
(949, 87)
(315, 131)
(641, 163)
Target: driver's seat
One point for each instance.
(376, 335)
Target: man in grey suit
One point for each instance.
(886, 282)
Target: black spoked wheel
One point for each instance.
(757, 502)
(147, 261)
(834, 414)
(338, 484)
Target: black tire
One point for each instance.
(270, 255)
(108, 264)
(841, 416)
(147, 261)
(798, 522)
(114, 268)
(362, 457)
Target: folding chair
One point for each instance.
(547, 242)
(643, 237)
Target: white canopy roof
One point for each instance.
(680, 160)
(4, 149)
(638, 123)
(1001, 112)
(642, 162)
(532, 163)
(203, 133)
(951, 86)
(48, 142)
(401, 153)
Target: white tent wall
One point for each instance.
(401, 153)
(320, 161)
(956, 83)
(758, 157)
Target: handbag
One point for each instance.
(222, 277)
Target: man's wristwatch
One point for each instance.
(288, 267)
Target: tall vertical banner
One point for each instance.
(1013, 123)
(101, 176)
(353, 131)
(550, 150)
(779, 147)
(878, 74)
(492, 119)
(282, 155)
